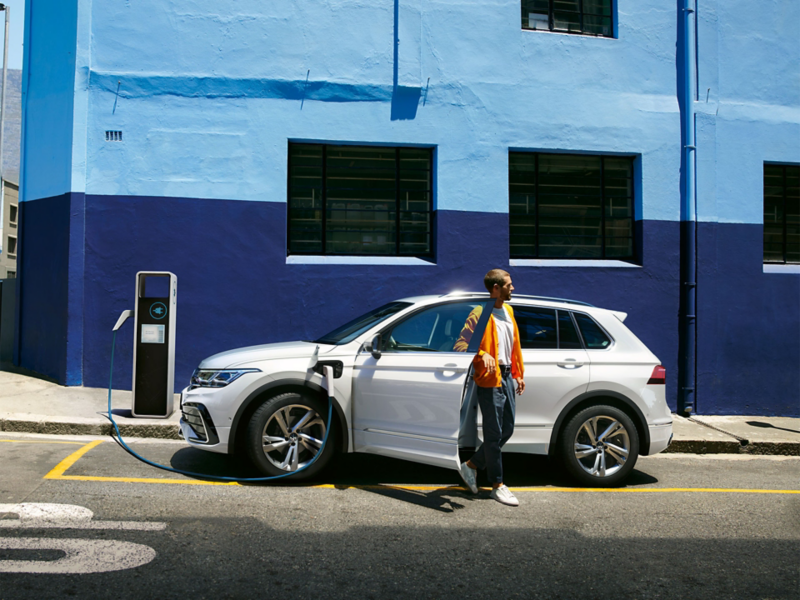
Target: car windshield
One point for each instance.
(351, 330)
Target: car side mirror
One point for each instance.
(375, 347)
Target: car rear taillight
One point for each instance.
(659, 376)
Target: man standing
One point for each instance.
(496, 367)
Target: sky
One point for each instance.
(16, 28)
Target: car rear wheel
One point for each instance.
(599, 446)
(286, 433)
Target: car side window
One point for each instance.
(537, 327)
(594, 337)
(567, 334)
(434, 329)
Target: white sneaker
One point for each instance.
(468, 475)
(504, 496)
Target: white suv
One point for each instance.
(594, 397)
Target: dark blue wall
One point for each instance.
(748, 326)
(235, 289)
(51, 287)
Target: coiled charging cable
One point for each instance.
(110, 417)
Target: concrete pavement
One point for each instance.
(32, 405)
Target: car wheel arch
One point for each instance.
(274, 388)
(595, 397)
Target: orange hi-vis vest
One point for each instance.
(482, 376)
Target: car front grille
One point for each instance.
(197, 418)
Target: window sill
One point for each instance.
(408, 261)
(540, 262)
(572, 33)
(785, 269)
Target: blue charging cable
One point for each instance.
(110, 417)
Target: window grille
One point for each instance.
(113, 136)
(359, 200)
(584, 17)
(571, 206)
(782, 214)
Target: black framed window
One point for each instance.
(782, 214)
(593, 336)
(546, 329)
(360, 200)
(571, 206)
(584, 17)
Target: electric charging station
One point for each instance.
(153, 343)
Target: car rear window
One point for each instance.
(567, 334)
(594, 337)
(537, 327)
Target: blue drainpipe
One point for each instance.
(687, 360)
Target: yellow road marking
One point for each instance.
(38, 442)
(555, 489)
(65, 464)
(139, 480)
(60, 469)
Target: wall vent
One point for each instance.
(113, 136)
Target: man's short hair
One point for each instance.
(497, 276)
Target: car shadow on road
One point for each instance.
(436, 488)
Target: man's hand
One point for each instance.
(489, 362)
(520, 385)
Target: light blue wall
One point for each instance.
(47, 98)
(209, 94)
(748, 102)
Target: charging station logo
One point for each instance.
(158, 310)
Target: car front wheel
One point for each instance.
(286, 434)
(599, 446)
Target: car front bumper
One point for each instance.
(201, 425)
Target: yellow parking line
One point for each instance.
(140, 480)
(38, 442)
(60, 469)
(559, 489)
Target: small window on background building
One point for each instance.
(571, 206)
(584, 17)
(360, 200)
(12, 215)
(12, 245)
(782, 214)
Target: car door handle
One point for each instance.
(569, 363)
(450, 369)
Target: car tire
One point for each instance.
(599, 446)
(284, 435)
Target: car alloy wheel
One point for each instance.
(600, 446)
(285, 434)
(292, 437)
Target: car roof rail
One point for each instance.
(460, 293)
(550, 299)
(546, 298)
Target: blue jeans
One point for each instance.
(498, 406)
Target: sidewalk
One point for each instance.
(32, 405)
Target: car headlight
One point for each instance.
(217, 378)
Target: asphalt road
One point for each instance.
(685, 527)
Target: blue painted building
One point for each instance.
(297, 163)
